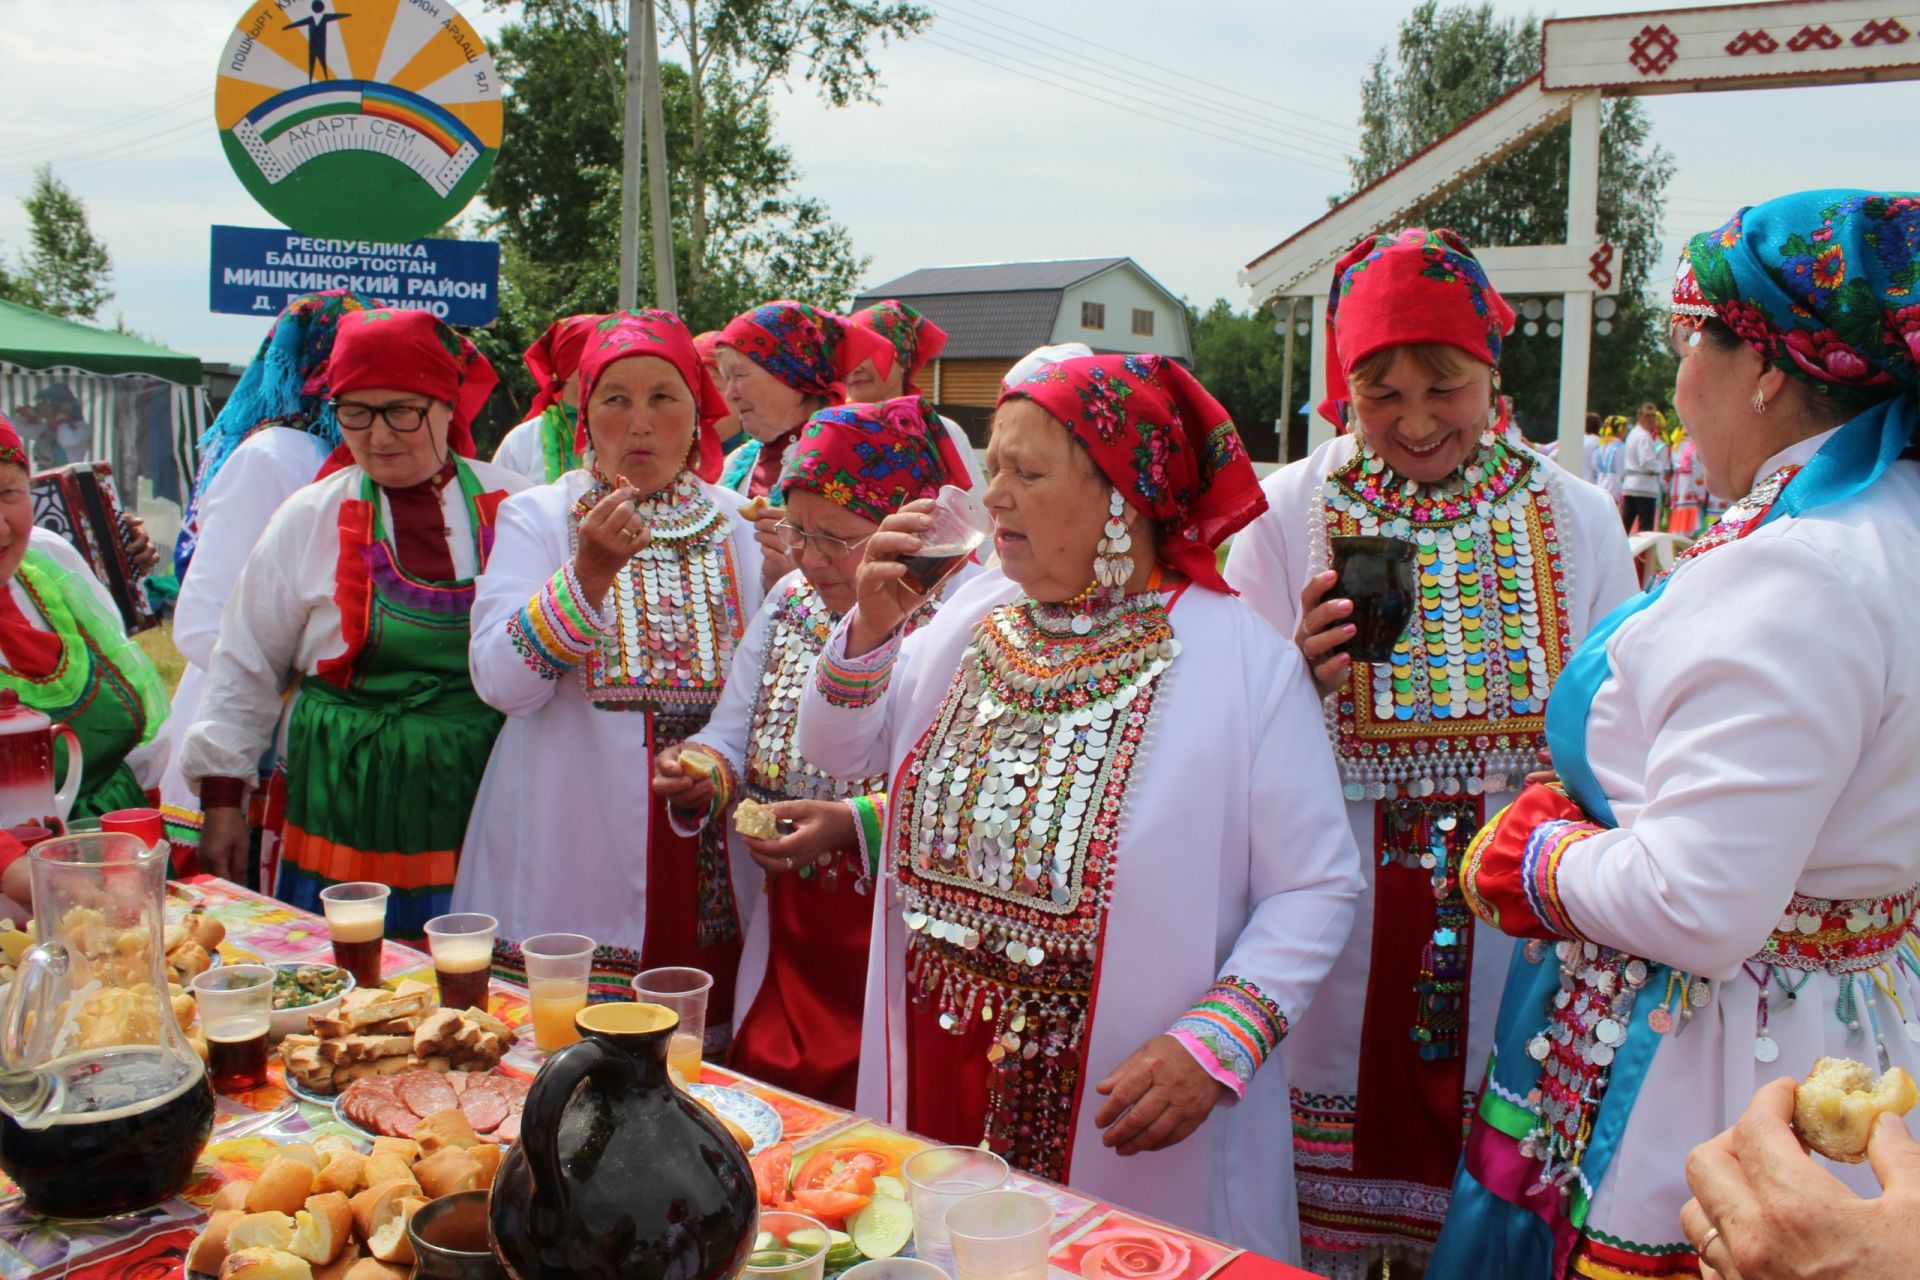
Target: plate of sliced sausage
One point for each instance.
(390, 1106)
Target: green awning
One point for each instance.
(35, 340)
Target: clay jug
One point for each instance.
(618, 1173)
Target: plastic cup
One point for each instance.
(462, 949)
(960, 523)
(145, 823)
(685, 992)
(1000, 1235)
(894, 1269)
(236, 1013)
(558, 968)
(804, 1258)
(357, 921)
(939, 1178)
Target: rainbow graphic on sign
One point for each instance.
(359, 119)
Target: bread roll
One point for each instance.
(446, 1171)
(384, 1166)
(391, 1243)
(753, 819)
(374, 1206)
(374, 1269)
(489, 1155)
(443, 1129)
(305, 1152)
(345, 1172)
(406, 1148)
(283, 1185)
(265, 1264)
(755, 508)
(209, 1248)
(268, 1230)
(1836, 1105)
(322, 1229)
(232, 1195)
(697, 765)
(340, 1266)
(206, 931)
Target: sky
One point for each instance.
(1191, 137)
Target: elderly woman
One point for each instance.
(803, 976)
(915, 340)
(64, 649)
(1515, 560)
(270, 438)
(541, 448)
(1722, 881)
(605, 628)
(359, 591)
(1114, 833)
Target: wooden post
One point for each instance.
(665, 296)
(630, 156)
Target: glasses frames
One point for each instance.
(399, 416)
(793, 538)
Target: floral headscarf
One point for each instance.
(554, 356)
(1822, 284)
(810, 350)
(1164, 443)
(662, 335)
(1418, 286)
(915, 339)
(873, 459)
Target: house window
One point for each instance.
(1093, 315)
(1142, 323)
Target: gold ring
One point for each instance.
(1713, 1233)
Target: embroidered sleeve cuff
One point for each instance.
(1510, 875)
(1236, 1026)
(870, 827)
(853, 682)
(558, 628)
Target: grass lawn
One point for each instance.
(158, 644)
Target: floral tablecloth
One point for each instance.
(1092, 1241)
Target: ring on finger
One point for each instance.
(1713, 1235)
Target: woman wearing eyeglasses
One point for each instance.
(606, 627)
(803, 973)
(359, 594)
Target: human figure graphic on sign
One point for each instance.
(317, 37)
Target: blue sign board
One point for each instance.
(256, 272)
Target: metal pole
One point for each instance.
(1583, 227)
(630, 163)
(1286, 384)
(664, 294)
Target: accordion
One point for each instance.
(79, 503)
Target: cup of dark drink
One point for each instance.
(450, 1239)
(236, 1011)
(1375, 573)
(357, 921)
(462, 947)
(960, 524)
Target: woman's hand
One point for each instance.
(672, 782)
(818, 828)
(140, 549)
(775, 563)
(1323, 629)
(224, 843)
(612, 534)
(1156, 1098)
(1546, 774)
(885, 597)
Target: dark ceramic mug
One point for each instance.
(450, 1239)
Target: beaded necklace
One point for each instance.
(676, 607)
(1004, 845)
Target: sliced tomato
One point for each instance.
(834, 1205)
(770, 1170)
(816, 1169)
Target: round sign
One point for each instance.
(368, 120)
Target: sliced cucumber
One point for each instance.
(807, 1238)
(763, 1241)
(883, 1228)
(887, 1185)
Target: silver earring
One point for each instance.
(1759, 401)
(1113, 558)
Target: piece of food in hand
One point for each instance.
(265, 1264)
(755, 820)
(271, 1230)
(209, 1248)
(1836, 1105)
(282, 1186)
(322, 1229)
(698, 765)
(755, 508)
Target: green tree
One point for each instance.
(1238, 356)
(66, 269)
(1449, 63)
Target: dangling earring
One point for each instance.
(1759, 401)
(1113, 559)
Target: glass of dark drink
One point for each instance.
(462, 947)
(1377, 575)
(357, 922)
(236, 1011)
(960, 524)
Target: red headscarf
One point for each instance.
(708, 345)
(554, 356)
(410, 351)
(1167, 446)
(810, 350)
(914, 338)
(659, 334)
(1418, 286)
(873, 459)
(12, 449)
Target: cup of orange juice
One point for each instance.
(684, 991)
(558, 965)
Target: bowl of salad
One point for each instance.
(302, 989)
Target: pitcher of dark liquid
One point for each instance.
(104, 1105)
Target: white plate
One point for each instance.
(755, 1115)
